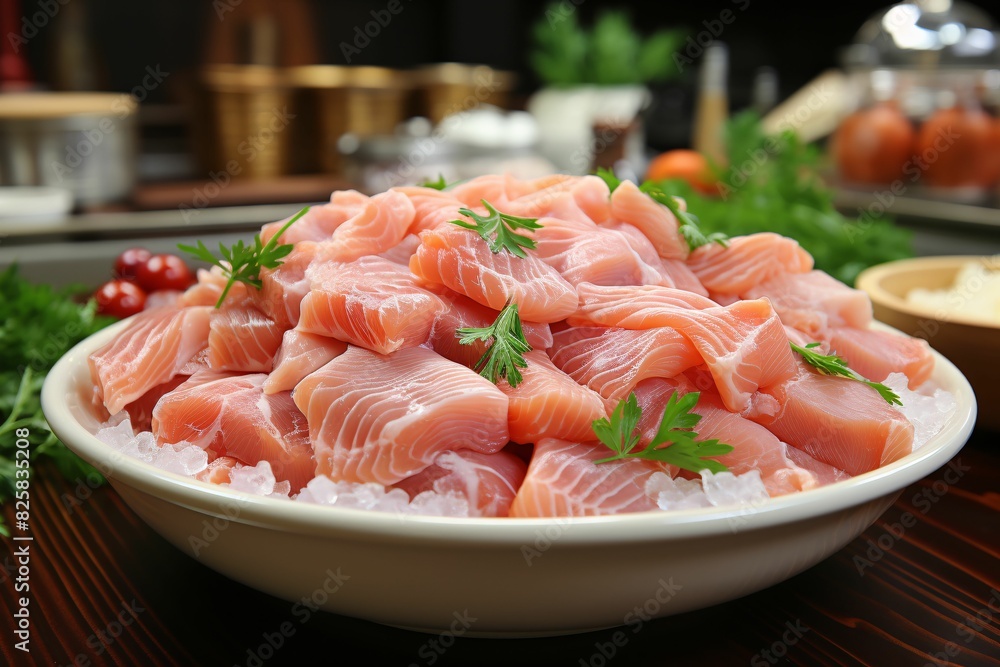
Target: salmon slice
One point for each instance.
(577, 198)
(371, 302)
(462, 261)
(492, 187)
(563, 480)
(320, 222)
(382, 223)
(377, 418)
(613, 361)
(876, 354)
(586, 253)
(838, 421)
(754, 447)
(743, 345)
(677, 274)
(140, 411)
(463, 312)
(207, 290)
(747, 262)
(516, 188)
(813, 302)
(231, 415)
(218, 471)
(242, 339)
(550, 404)
(632, 307)
(431, 208)
(402, 251)
(654, 220)
(299, 355)
(284, 287)
(488, 481)
(151, 350)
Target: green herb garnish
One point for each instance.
(689, 224)
(38, 325)
(831, 364)
(674, 442)
(439, 184)
(242, 263)
(609, 178)
(497, 229)
(506, 352)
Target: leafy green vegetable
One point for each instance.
(772, 184)
(242, 263)
(831, 364)
(39, 325)
(674, 442)
(506, 353)
(688, 227)
(439, 184)
(611, 53)
(497, 229)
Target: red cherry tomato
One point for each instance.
(119, 298)
(164, 272)
(872, 146)
(955, 146)
(128, 263)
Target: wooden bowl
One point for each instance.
(972, 345)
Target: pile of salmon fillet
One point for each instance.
(346, 364)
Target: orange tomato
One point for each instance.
(954, 148)
(873, 145)
(690, 166)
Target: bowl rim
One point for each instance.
(59, 394)
(870, 281)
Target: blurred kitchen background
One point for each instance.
(151, 122)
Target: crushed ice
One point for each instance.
(322, 490)
(182, 458)
(713, 490)
(928, 408)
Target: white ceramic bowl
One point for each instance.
(515, 577)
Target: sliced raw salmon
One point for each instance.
(207, 290)
(382, 223)
(243, 339)
(813, 302)
(299, 355)
(754, 447)
(747, 261)
(743, 345)
(371, 302)
(140, 411)
(550, 404)
(629, 204)
(431, 208)
(578, 199)
(284, 287)
(611, 361)
(231, 415)
(378, 418)
(462, 261)
(218, 470)
(151, 350)
(563, 480)
(402, 251)
(488, 481)
(586, 253)
(463, 312)
(320, 222)
(493, 188)
(838, 421)
(673, 272)
(876, 354)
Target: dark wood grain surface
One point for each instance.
(920, 587)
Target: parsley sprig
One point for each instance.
(439, 184)
(497, 229)
(831, 364)
(674, 442)
(689, 224)
(242, 263)
(506, 353)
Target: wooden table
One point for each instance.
(107, 590)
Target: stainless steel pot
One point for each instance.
(84, 142)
